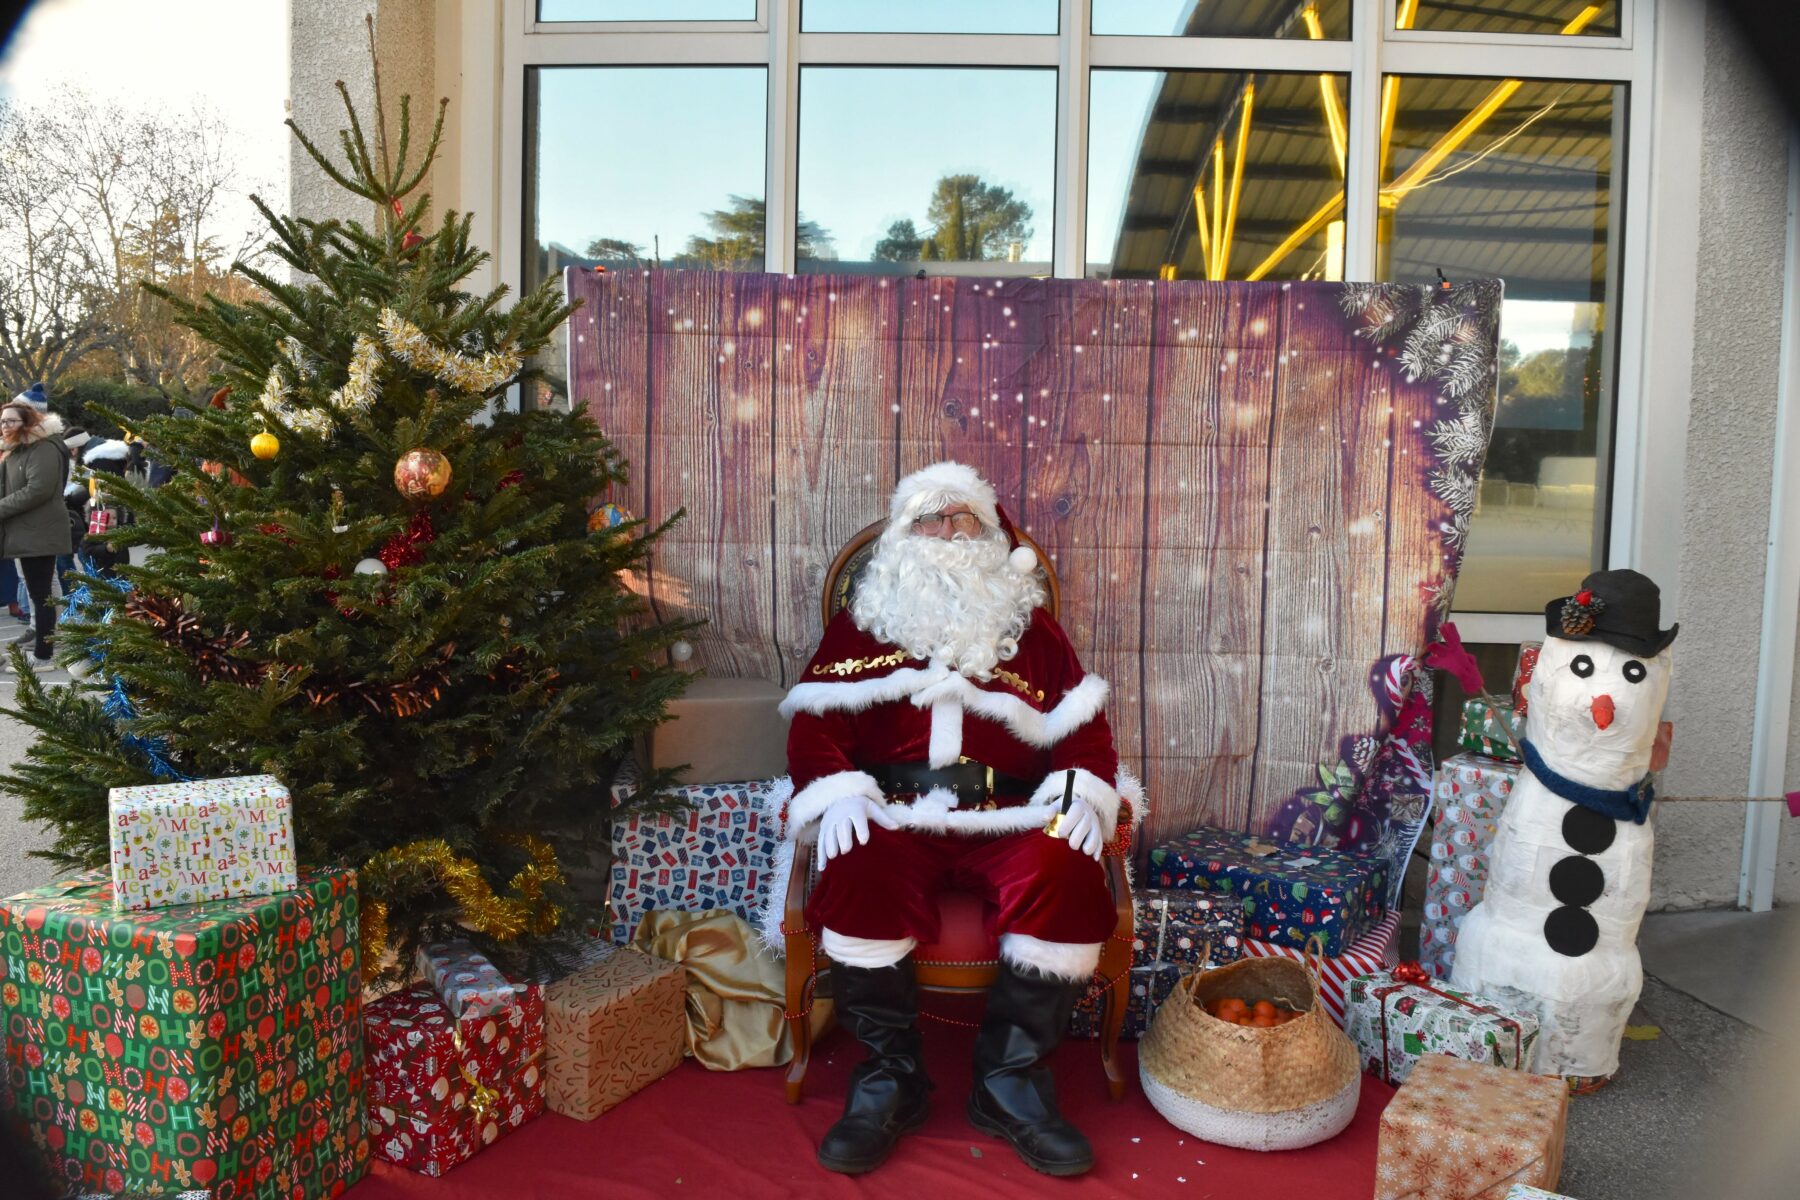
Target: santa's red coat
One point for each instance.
(863, 703)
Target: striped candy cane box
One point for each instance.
(1377, 950)
(205, 839)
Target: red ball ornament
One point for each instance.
(410, 242)
(216, 537)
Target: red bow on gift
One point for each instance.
(1410, 972)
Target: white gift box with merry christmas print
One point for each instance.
(206, 839)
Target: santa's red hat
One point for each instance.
(932, 488)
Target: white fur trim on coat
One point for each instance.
(873, 953)
(811, 801)
(1072, 961)
(925, 687)
(1100, 795)
(946, 733)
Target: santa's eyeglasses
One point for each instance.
(963, 524)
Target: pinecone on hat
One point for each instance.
(1581, 612)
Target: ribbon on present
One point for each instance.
(1415, 976)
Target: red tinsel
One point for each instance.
(509, 479)
(407, 549)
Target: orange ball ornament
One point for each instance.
(422, 474)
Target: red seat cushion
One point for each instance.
(963, 936)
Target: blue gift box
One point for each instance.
(1150, 986)
(1172, 936)
(1289, 894)
(715, 854)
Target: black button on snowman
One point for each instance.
(1569, 870)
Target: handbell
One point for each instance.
(1054, 828)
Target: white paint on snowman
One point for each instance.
(1556, 932)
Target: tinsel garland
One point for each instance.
(119, 707)
(213, 659)
(363, 388)
(276, 394)
(461, 371)
(504, 918)
(408, 549)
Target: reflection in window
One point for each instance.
(1511, 16)
(903, 168)
(653, 166)
(1215, 175)
(1226, 18)
(1516, 179)
(646, 10)
(928, 16)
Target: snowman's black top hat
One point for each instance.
(1620, 608)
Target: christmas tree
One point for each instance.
(370, 581)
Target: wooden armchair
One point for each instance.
(965, 958)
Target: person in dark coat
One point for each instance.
(34, 525)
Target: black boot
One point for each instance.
(1014, 1096)
(888, 1092)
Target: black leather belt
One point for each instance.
(972, 782)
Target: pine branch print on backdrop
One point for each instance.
(458, 663)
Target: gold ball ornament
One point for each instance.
(265, 445)
(422, 474)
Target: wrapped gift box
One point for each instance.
(1375, 951)
(464, 979)
(1527, 665)
(1459, 1129)
(714, 854)
(1494, 729)
(1150, 986)
(1289, 893)
(214, 1046)
(612, 1029)
(724, 730)
(1469, 794)
(1524, 1191)
(440, 1089)
(1394, 1023)
(209, 839)
(1172, 928)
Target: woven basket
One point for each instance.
(1259, 1089)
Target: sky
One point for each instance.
(170, 54)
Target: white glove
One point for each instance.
(1081, 828)
(845, 825)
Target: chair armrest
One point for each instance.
(1120, 884)
(799, 879)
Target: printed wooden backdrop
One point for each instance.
(1254, 494)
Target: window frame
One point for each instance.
(1662, 121)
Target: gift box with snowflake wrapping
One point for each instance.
(440, 1089)
(212, 1046)
(1289, 893)
(1175, 932)
(715, 853)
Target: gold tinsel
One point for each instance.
(523, 910)
(466, 374)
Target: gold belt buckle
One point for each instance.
(988, 797)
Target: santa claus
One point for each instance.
(942, 724)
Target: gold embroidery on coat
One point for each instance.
(851, 666)
(1018, 683)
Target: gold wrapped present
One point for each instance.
(612, 1029)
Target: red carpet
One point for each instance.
(702, 1133)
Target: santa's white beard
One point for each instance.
(956, 601)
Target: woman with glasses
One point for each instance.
(34, 526)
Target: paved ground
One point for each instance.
(1712, 1033)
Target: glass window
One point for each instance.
(646, 10)
(1517, 179)
(1225, 18)
(1511, 16)
(642, 165)
(928, 16)
(1216, 175)
(907, 166)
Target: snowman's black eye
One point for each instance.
(1634, 671)
(1583, 666)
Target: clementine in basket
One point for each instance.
(1231, 1008)
(1262, 1008)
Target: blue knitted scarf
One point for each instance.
(1632, 804)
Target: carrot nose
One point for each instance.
(1603, 711)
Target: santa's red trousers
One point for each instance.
(1032, 884)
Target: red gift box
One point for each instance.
(440, 1089)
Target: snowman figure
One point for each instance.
(1569, 871)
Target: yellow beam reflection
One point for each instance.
(1237, 180)
(1328, 93)
(1427, 162)
(1218, 202)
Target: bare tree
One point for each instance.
(140, 198)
